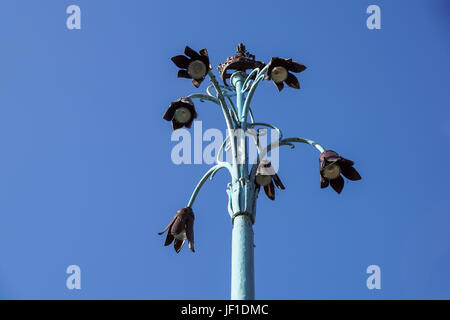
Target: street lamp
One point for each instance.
(246, 181)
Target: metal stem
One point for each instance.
(242, 267)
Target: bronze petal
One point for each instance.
(337, 184)
(191, 53)
(183, 74)
(296, 67)
(270, 190)
(292, 81)
(190, 233)
(197, 82)
(181, 61)
(324, 182)
(169, 239)
(178, 244)
(350, 173)
(278, 182)
(169, 113)
(176, 125)
(279, 85)
(204, 52)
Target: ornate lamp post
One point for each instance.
(246, 181)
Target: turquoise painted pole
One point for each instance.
(242, 259)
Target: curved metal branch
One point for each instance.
(253, 87)
(246, 84)
(204, 97)
(211, 172)
(221, 148)
(230, 124)
(250, 112)
(284, 142)
(280, 134)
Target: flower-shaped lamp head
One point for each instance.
(279, 72)
(193, 65)
(241, 61)
(266, 176)
(332, 165)
(181, 112)
(181, 228)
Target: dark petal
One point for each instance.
(191, 53)
(270, 190)
(169, 113)
(189, 123)
(169, 239)
(324, 182)
(181, 61)
(350, 173)
(176, 125)
(346, 163)
(196, 82)
(190, 233)
(178, 225)
(204, 52)
(278, 182)
(183, 74)
(337, 184)
(178, 244)
(168, 226)
(296, 67)
(276, 61)
(292, 81)
(279, 85)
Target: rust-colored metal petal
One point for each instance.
(169, 113)
(270, 190)
(176, 125)
(169, 239)
(279, 85)
(191, 53)
(178, 244)
(278, 182)
(350, 173)
(296, 67)
(190, 233)
(181, 61)
(345, 163)
(337, 184)
(204, 52)
(197, 82)
(324, 182)
(178, 225)
(292, 81)
(183, 74)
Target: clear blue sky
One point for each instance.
(86, 176)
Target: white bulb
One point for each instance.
(196, 69)
(331, 171)
(279, 74)
(182, 115)
(263, 180)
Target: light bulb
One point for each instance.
(332, 171)
(196, 69)
(182, 115)
(279, 74)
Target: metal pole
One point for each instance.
(242, 262)
(242, 259)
